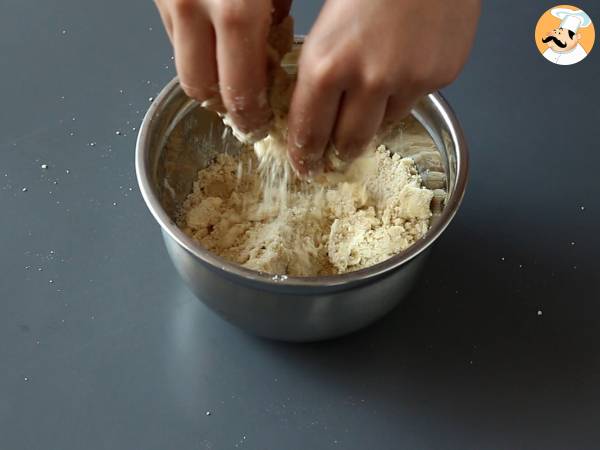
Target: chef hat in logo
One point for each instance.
(572, 20)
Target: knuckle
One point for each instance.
(183, 7)
(323, 73)
(235, 14)
(376, 83)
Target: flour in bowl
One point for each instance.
(335, 224)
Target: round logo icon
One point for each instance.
(565, 35)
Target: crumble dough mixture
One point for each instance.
(336, 224)
(252, 210)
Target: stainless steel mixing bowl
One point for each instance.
(177, 138)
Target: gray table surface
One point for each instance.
(103, 347)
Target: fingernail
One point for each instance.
(305, 168)
(315, 168)
(348, 152)
(333, 161)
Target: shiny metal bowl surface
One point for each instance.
(284, 308)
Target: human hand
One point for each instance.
(221, 48)
(366, 61)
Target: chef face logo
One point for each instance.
(561, 40)
(565, 35)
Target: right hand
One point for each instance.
(366, 62)
(221, 49)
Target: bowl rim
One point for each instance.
(219, 264)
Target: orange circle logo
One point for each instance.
(565, 35)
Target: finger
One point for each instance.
(242, 65)
(360, 117)
(281, 9)
(311, 119)
(398, 108)
(194, 44)
(166, 18)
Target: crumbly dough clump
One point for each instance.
(336, 224)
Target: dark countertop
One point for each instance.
(103, 347)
